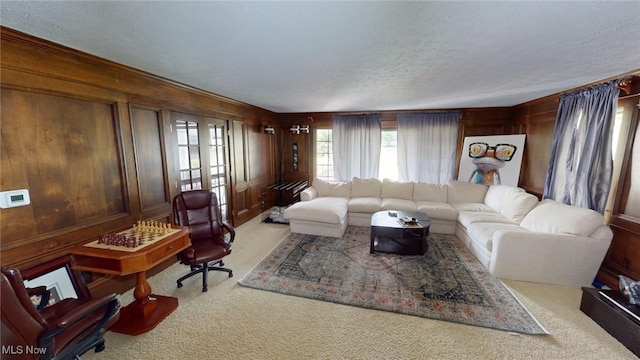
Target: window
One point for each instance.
(324, 154)
(388, 155)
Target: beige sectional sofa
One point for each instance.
(512, 234)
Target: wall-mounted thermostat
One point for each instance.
(13, 198)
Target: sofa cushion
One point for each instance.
(603, 233)
(469, 217)
(460, 207)
(553, 217)
(483, 232)
(365, 187)
(497, 194)
(518, 205)
(365, 204)
(398, 204)
(330, 210)
(332, 188)
(437, 210)
(465, 192)
(397, 189)
(429, 192)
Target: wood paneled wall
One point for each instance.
(92, 141)
(536, 119)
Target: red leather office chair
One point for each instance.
(64, 330)
(198, 209)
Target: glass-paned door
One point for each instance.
(203, 157)
(218, 161)
(189, 155)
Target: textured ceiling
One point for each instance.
(352, 56)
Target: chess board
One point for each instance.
(147, 238)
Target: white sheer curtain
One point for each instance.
(427, 144)
(356, 146)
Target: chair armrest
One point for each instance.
(67, 321)
(230, 229)
(37, 290)
(85, 309)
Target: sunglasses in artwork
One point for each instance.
(502, 152)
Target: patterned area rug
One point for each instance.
(447, 283)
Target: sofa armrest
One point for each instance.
(547, 258)
(309, 193)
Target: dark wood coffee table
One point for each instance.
(390, 236)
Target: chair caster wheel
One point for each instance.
(179, 285)
(230, 274)
(205, 289)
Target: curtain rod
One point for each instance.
(624, 84)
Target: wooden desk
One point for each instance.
(147, 310)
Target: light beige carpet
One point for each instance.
(235, 322)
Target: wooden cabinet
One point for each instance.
(623, 257)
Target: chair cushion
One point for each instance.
(202, 253)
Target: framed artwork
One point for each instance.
(494, 159)
(60, 281)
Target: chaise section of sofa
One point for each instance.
(322, 211)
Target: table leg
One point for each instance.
(373, 237)
(146, 311)
(145, 304)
